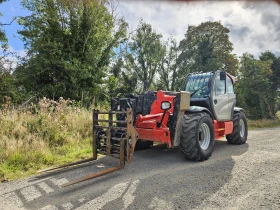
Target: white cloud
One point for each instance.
(255, 27)
(12, 9)
(10, 61)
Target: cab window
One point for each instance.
(220, 86)
(198, 85)
(229, 85)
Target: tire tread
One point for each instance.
(188, 144)
(234, 137)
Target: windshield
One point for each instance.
(197, 85)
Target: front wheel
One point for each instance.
(240, 129)
(197, 136)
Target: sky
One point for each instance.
(9, 10)
(254, 26)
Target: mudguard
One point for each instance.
(238, 109)
(194, 109)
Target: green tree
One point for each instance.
(124, 81)
(206, 47)
(275, 67)
(168, 71)
(274, 79)
(144, 54)
(254, 87)
(7, 80)
(70, 45)
(8, 86)
(3, 38)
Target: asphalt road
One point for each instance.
(235, 177)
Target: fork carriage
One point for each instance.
(115, 139)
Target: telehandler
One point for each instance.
(192, 120)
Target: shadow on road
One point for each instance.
(96, 164)
(168, 179)
(165, 178)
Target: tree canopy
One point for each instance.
(207, 47)
(70, 44)
(256, 91)
(169, 79)
(3, 38)
(144, 54)
(80, 49)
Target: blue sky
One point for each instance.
(11, 9)
(254, 26)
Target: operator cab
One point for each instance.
(199, 85)
(214, 91)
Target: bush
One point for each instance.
(52, 132)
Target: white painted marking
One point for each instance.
(128, 197)
(112, 194)
(30, 193)
(159, 204)
(67, 206)
(100, 166)
(11, 199)
(49, 207)
(60, 181)
(81, 200)
(45, 187)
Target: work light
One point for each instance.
(165, 105)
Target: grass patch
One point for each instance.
(264, 123)
(51, 133)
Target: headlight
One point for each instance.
(165, 105)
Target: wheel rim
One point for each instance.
(204, 136)
(242, 128)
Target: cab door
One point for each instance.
(220, 99)
(231, 96)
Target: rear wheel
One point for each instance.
(240, 129)
(197, 136)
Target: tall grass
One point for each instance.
(264, 123)
(48, 134)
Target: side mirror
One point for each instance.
(165, 105)
(223, 75)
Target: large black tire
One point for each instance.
(240, 129)
(197, 136)
(142, 145)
